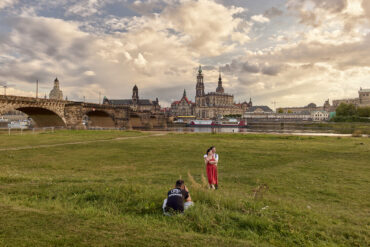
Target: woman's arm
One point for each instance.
(205, 160)
(188, 199)
(212, 162)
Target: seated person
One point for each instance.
(178, 199)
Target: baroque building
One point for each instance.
(215, 104)
(183, 107)
(56, 93)
(135, 103)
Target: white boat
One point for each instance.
(232, 122)
(222, 123)
(204, 123)
(19, 124)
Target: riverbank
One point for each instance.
(279, 190)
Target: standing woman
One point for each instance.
(215, 155)
(211, 168)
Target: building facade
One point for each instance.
(214, 104)
(183, 107)
(312, 107)
(264, 113)
(362, 100)
(56, 93)
(135, 103)
(320, 116)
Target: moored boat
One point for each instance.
(234, 123)
(201, 123)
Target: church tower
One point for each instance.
(220, 89)
(56, 93)
(135, 95)
(200, 84)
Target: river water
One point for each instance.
(250, 131)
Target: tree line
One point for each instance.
(351, 113)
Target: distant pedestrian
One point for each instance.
(178, 199)
(211, 168)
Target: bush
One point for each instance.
(357, 133)
(363, 111)
(350, 119)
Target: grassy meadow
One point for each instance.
(275, 190)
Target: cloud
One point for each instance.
(366, 8)
(7, 3)
(42, 48)
(273, 12)
(260, 18)
(85, 8)
(238, 66)
(201, 26)
(317, 50)
(89, 73)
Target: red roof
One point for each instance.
(186, 99)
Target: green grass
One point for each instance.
(111, 193)
(27, 138)
(342, 127)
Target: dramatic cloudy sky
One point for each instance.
(290, 51)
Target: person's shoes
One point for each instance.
(212, 186)
(216, 186)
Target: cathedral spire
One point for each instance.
(200, 85)
(135, 95)
(219, 88)
(184, 95)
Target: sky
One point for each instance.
(291, 52)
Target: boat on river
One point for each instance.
(234, 123)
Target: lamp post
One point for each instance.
(37, 89)
(274, 103)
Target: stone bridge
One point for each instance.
(71, 114)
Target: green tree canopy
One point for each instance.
(346, 110)
(363, 111)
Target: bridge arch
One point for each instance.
(43, 117)
(99, 118)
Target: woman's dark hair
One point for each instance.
(209, 149)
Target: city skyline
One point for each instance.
(289, 52)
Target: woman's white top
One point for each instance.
(215, 156)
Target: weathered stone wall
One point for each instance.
(40, 110)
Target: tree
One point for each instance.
(346, 110)
(280, 110)
(363, 111)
